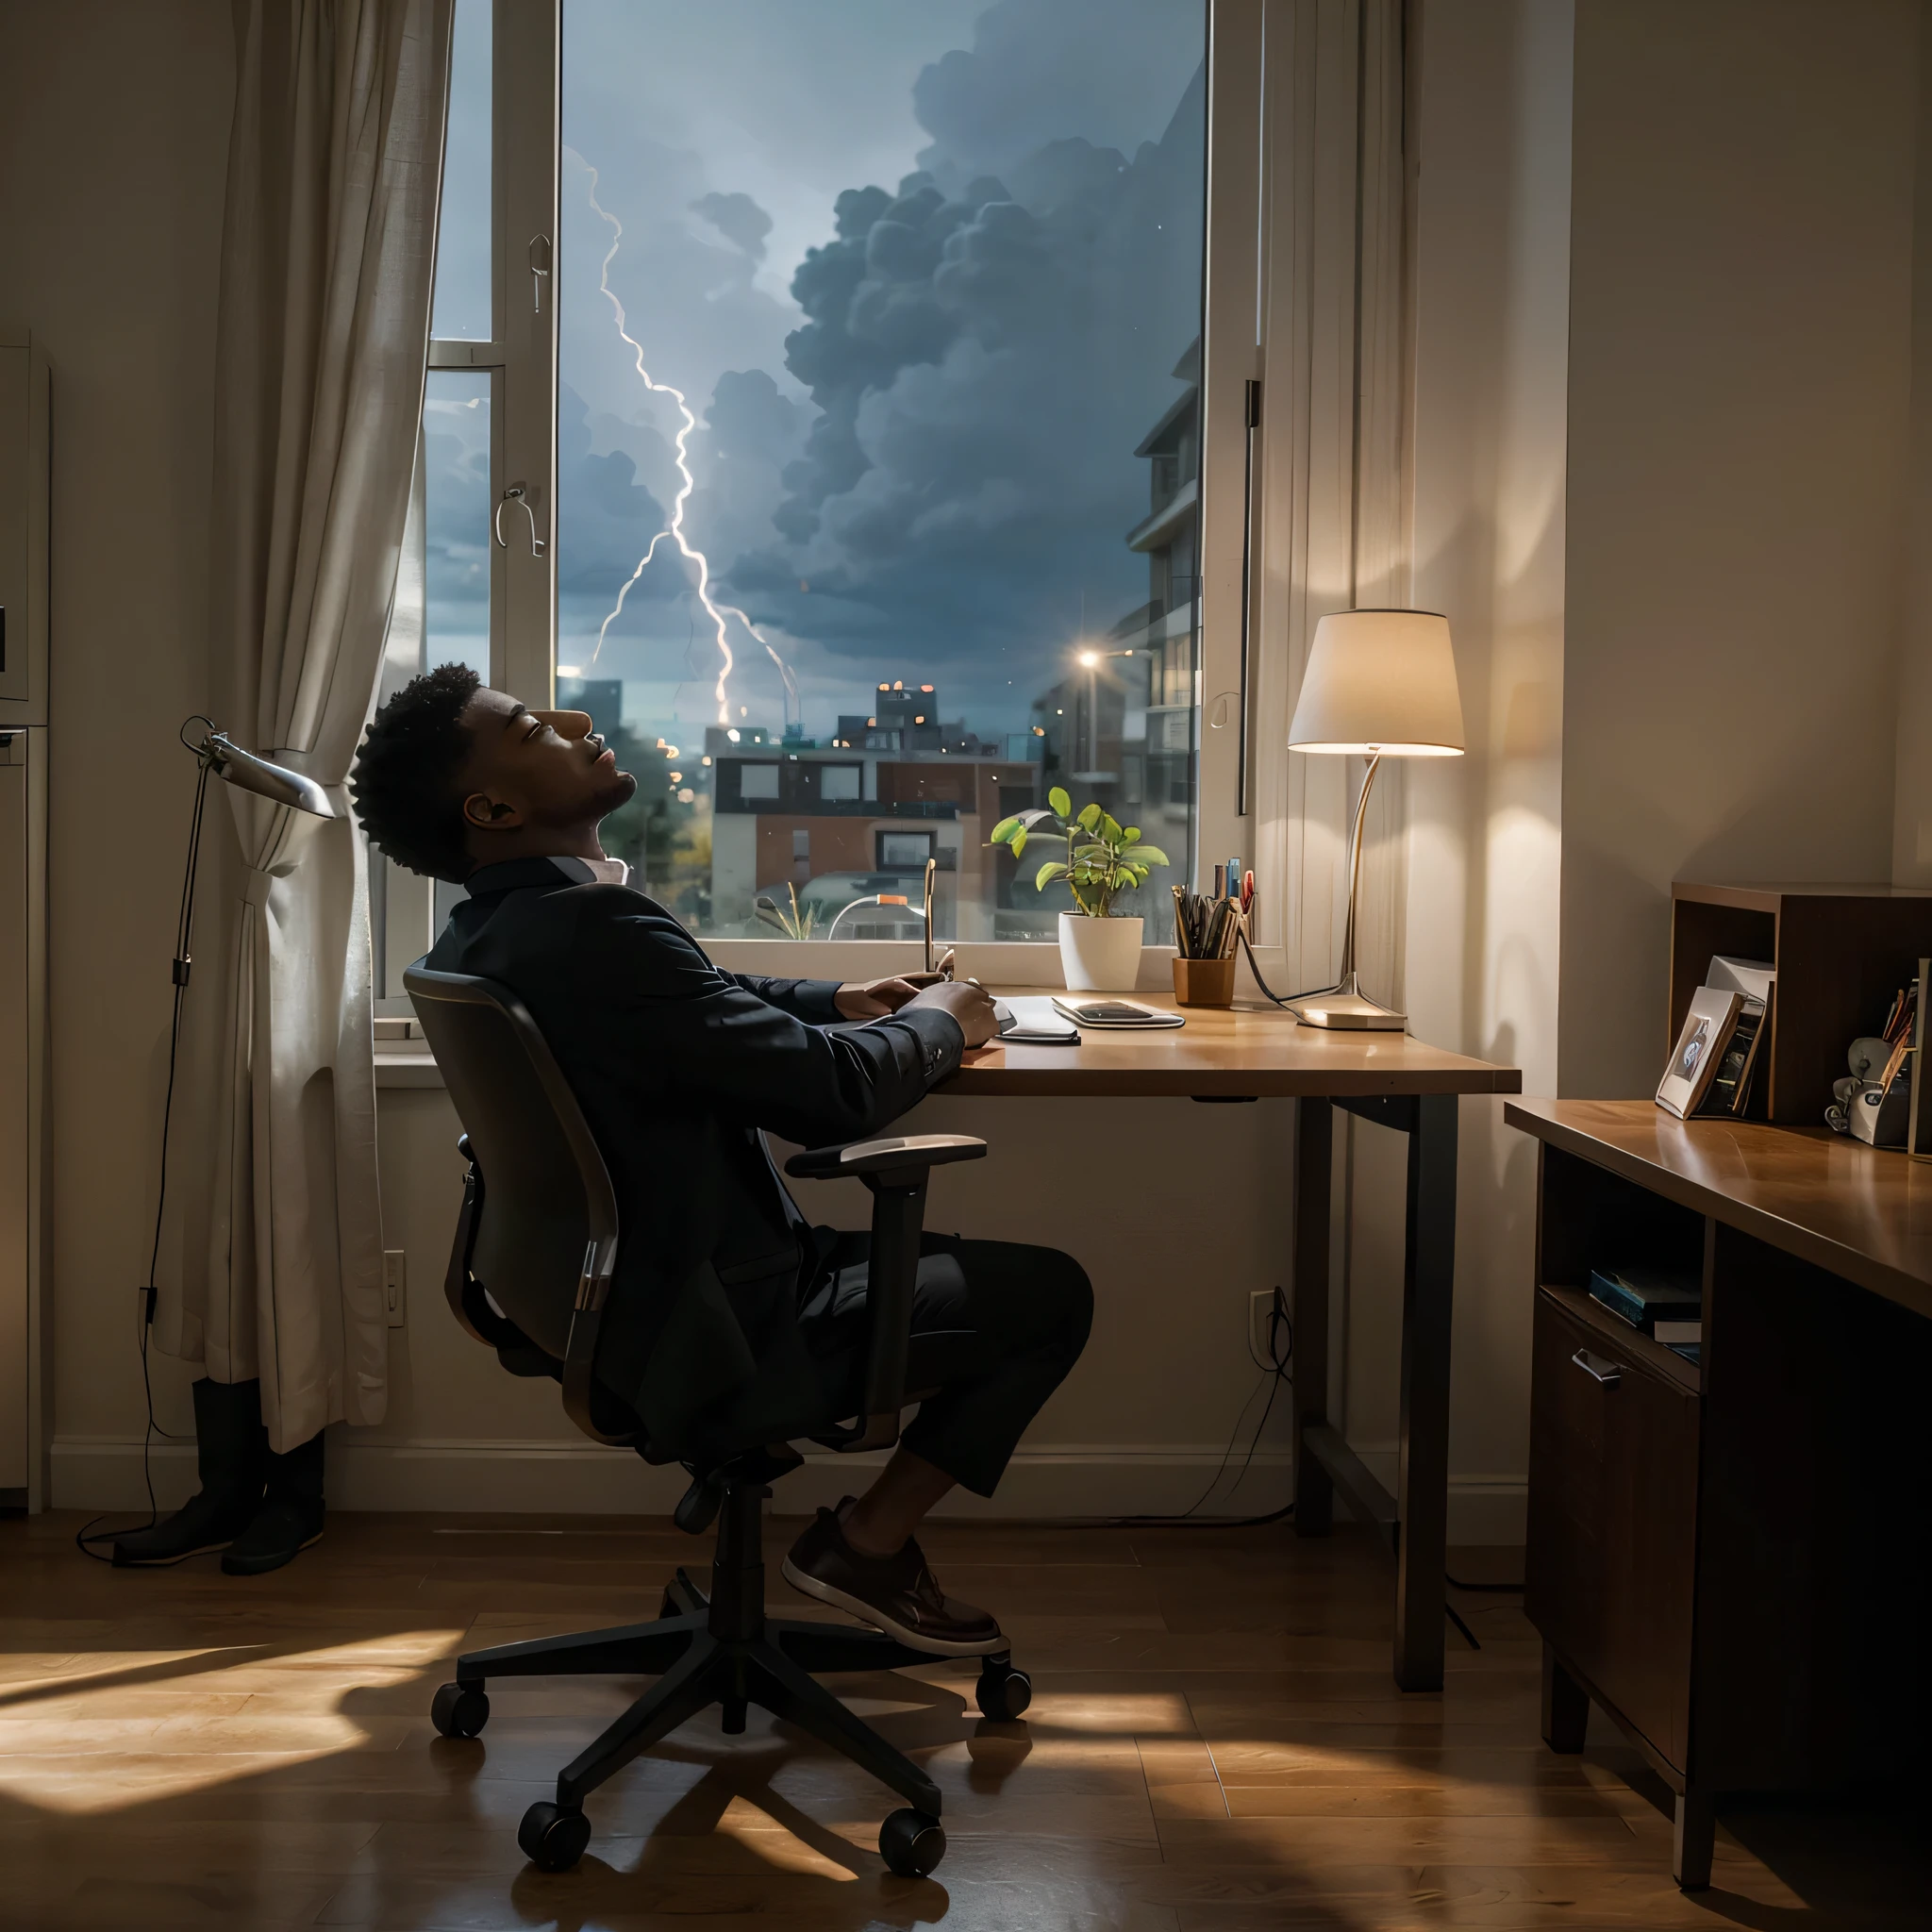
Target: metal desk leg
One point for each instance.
(1314, 1495)
(1428, 1277)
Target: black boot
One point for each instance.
(291, 1515)
(231, 1451)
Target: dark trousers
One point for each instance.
(995, 1328)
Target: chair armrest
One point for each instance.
(903, 1153)
(895, 1169)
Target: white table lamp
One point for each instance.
(1378, 684)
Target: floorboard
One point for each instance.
(1215, 1745)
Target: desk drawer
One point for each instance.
(1611, 1556)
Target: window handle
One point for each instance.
(517, 494)
(537, 256)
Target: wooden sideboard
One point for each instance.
(1732, 1558)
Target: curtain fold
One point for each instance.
(328, 269)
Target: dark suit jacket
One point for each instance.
(677, 1066)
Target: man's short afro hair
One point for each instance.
(406, 777)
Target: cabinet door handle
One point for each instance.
(1597, 1369)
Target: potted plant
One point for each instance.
(1100, 948)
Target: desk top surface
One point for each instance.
(1861, 1212)
(1251, 1049)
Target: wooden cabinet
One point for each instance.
(1612, 1538)
(1732, 1559)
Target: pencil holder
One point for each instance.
(1204, 982)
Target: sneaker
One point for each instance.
(896, 1594)
(280, 1531)
(206, 1522)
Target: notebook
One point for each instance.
(1033, 1022)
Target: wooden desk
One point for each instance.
(1252, 1052)
(1732, 1558)
(1255, 1051)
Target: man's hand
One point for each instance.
(970, 1005)
(872, 999)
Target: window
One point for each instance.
(904, 851)
(878, 396)
(829, 423)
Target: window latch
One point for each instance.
(516, 493)
(537, 256)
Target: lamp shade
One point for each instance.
(1380, 681)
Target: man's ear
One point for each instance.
(490, 814)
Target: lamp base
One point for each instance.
(1346, 1009)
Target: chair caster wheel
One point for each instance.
(552, 1839)
(1003, 1694)
(911, 1842)
(459, 1711)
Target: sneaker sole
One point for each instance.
(868, 1613)
(121, 1562)
(269, 1569)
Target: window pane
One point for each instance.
(456, 519)
(461, 312)
(877, 440)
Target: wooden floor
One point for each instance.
(1215, 1744)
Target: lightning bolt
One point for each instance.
(715, 611)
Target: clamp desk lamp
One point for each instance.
(1379, 684)
(217, 755)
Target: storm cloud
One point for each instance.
(922, 462)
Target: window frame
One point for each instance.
(522, 357)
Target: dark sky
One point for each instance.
(922, 271)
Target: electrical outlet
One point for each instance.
(394, 1283)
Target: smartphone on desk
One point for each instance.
(1097, 1013)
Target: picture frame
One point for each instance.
(1700, 1045)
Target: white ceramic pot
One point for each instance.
(1100, 955)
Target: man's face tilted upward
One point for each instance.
(535, 781)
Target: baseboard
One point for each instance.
(567, 1478)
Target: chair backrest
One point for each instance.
(547, 1196)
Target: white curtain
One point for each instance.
(328, 261)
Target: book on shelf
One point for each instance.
(1730, 1091)
(1693, 1352)
(1672, 1333)
(1644, 1296)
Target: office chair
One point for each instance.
(535, 1251)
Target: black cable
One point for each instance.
(1268, 993)
(1484, 1588)
(86, 1536)
(1275, 1372)
(1467, 1632)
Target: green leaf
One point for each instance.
(1059, 801)
(1152, 855)
(1089, 817)
(1019, 841)
(1051, 870)
(1005, 829)
(1130, 837)
(1110, 830)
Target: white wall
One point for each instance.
(1740, 383)
(1731, 348)
(1491, 295)
(114, 145)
